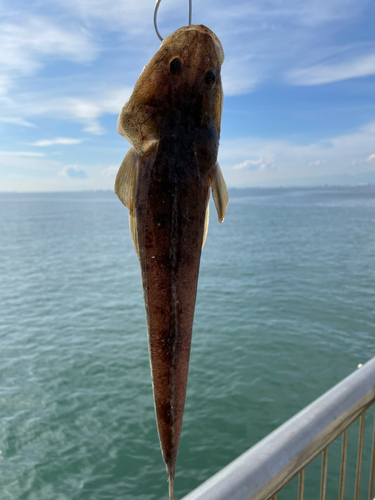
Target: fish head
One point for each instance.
(180, 84)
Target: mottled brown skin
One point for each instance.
(173, 123)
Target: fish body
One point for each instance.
(172, 121)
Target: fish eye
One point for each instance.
(210, 78)
(175, 66)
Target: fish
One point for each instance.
(172, 121)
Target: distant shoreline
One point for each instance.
(234, 190)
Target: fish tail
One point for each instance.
(171, 485)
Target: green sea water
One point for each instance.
(285, 310)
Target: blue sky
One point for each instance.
(299, 85)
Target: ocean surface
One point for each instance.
(285, 310)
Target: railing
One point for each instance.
(266, 468)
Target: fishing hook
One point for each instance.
(156, 13)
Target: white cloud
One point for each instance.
(88, 111)
(240, 75)
(110, 171)
(263, 40)
(16, 121)
(285, 159)
(129, 14)
(19, 165)
(5, 84)
(273, 13)
(259, 164)
(328, 73)
(316, 163)
(65, 141)
(73, 172)
(32, 37)
(20, 153)
(371, 157)
(135, 16)
(84, 110)
(28, 42)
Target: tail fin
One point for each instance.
(171, 486)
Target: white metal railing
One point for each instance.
(262, 471)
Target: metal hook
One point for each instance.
(156, 13)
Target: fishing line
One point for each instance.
(156, 14)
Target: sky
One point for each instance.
(298, 78)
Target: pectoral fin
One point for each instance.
(125, 185)
(219, 191)
(126, 179)
(139, 125)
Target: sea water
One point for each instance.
(285, 310)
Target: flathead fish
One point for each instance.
(172, 121)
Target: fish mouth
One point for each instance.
(203, 29)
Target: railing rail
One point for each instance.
(263, 470)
